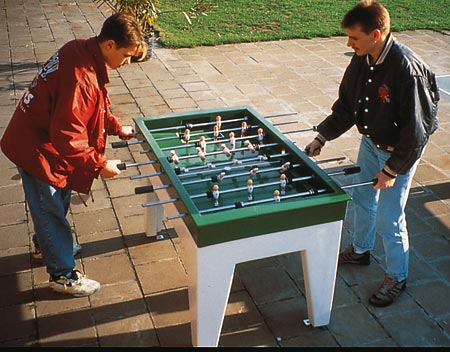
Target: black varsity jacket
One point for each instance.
(393, 101)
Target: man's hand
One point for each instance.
(384, 181)
(126, 132)
(314, 148)
(110, 169)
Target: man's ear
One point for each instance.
(376, 35)
(110, 44)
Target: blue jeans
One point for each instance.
(381, 212)
(48, 206)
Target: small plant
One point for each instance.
(147, 11)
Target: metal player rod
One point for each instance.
(367, 183)
(214, 178)
(204, 133)
(209, 166)
(176, 216)
(191, 125)
(212, 123)
(347, 171)
(191, 145)
(121, 144)
(283, 123)
(314, 128)
(209, 142)
(159, 202)
(238, 189)
(261, 201)
(230, 168)
(221, 151)
(339, 158)
(281, 114)
(241, 204)
(124, 166)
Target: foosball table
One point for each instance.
(244, 192)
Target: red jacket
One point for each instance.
(58, 131)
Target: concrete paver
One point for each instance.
(144, 299)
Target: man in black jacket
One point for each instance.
(391, 96)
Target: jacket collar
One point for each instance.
(99, 61)
(387, 46)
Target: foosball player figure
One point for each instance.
(232, 140)
(225, 149)
(216, 132)
(285, 167)
(215, 194)
(186, 136)
(253, 171)
(260, 136)
(276, 196)
(219, 122)
(200, 153)
(244, 128)
(220, 176)
(250, 146)
(283, 182)
(202, 143)
(173, 157)
(250, 189)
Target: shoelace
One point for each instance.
(73, 280)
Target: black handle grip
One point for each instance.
(122, 166)
(307, 151)
(119, 144)
(351, 170)
(143, 189)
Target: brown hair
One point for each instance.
(370, 15)
(125, 31)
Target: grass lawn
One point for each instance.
(237, 21)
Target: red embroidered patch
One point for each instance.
(384, 93)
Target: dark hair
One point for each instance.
(124, 30)
(370, 15)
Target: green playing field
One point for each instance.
(308, 198)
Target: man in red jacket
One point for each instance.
(57, 138)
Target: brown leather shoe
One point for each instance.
(389, 291)
(348, 256)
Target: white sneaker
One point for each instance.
(77, 285)
(37, 254)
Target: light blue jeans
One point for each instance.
(48, 206)
(381, 212)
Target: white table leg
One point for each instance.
(210, 297)
(153, 216)
(319, 262)
(211, 269)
